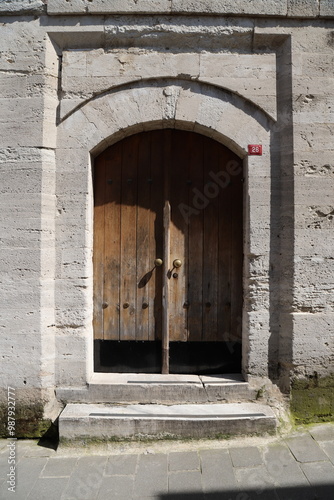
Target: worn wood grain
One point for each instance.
(98, 247)
(128, 282)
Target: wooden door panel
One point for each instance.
(112, 242)
(128, 277)
(156, 139)
(144, 244)
(211, 244)
(133, 179)
(178, 194)
(225, 256)
(194, 217)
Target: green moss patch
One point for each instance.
(29, 421)
(312, 399)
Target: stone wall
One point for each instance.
(74, 78)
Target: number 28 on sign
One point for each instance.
(255, 149)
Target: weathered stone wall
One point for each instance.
(74, 79)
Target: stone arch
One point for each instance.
(212, 111)
(107, 118)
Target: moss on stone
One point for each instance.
(29, 421)
(312, 399)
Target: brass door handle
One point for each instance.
(158, 262)
(177, 263)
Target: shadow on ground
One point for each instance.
(319, 492)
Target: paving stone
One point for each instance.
(185, 481)
(116, 487)
(323, 432)
(28, 470)
(282, 466)
(183, 461)
(321, 477)
(256, 483)
(305, 449)
(151, 478)
(217, 470)
(48, 488)
(319, 472)
(86, 479)
(245, 457)
(31, 449)
(121, 465)
(59, 467)
(328, 447)
(3, 465)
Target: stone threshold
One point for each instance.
(157, 378)
(160, 421)
(158, 388)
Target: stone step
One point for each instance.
(101, 421)
(156, 388)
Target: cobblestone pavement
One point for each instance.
(297, 466)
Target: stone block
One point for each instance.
(70, 347)
(313, 85)
(69, 7)
(142, 65)
(326, 8)
(106, 7)
(314, 192)
(14, 7)
(314, 163)
(66, 106)
(230, 7)
(70, 373)
(319, 64)
(248, 66)
(307, 139)
(72, 160)
(74, 263)
(313, 340)
(303, 8)
(312, 109)
(314, 243)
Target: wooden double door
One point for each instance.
(167, 254)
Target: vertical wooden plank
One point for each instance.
(144, 254)
(237, 254)
(156, 232)
(98, 245)
(210, 253)
(225, 244)
(112, 243)
(194, 217)
(165, 286)
(178, 190)
(128, 282)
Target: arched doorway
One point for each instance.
(176, 197)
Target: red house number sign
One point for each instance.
(255, 149)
